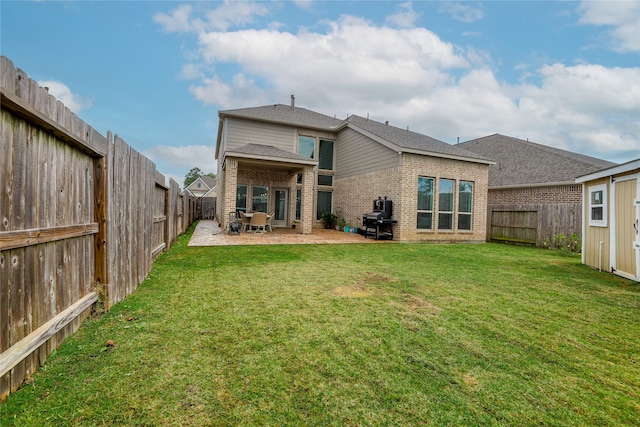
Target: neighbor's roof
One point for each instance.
(414, 142)
(523, 163)
(209, 180)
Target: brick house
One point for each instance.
(533, 195)
(298, 164)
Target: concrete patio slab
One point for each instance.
(209, 233)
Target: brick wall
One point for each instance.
(354, 196)
(571, 194)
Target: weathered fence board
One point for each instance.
(74, 213)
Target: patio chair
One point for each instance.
(259, 221)
(246, 222)
(269, 219)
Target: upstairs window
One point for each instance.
(307, 146)
(598, 205)
(325, 155)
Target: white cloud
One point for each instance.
(405, 17)
(173, 161)
(229, 13)
(62, 93)
(413, 78)
(623, 18)
(462, 12)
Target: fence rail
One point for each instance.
(74, 218)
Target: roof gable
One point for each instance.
(523, 163)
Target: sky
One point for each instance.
(156, 73)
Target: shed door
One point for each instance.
(626, 232)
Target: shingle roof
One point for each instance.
(402, 138)
(280, 113)
(259, 150)
(210, 181)
(521, 163)
(406, 139)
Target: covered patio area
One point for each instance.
(209, 233)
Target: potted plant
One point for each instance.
(329, 219)
(341, 223)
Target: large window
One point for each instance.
(465, 205)
(241, 198)
(598, 205)
(445, 204)
(307, 146)
(324, 203)
(425, 203)
(259, 199)
(325, 155)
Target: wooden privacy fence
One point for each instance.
(533, 224)
(81, 215)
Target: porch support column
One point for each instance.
(306, 208)
(230, 189)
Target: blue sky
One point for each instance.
(560, 73)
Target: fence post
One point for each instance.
(100, 196)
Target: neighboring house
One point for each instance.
(611, 226)
(299, 164)
(532, 191)
(201, 186)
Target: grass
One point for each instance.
(334, 335)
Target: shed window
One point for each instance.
(598, 205)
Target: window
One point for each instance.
(325, 155)
(325, 179)
(425, 203)
(260, 198)
(199, 185)
(324, 203)
(241, 198)
(598, 205)
(465, 205)
(445, 204)
(299, 179)
(298, 203)
(307, 146)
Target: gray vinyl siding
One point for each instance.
(356, 154)
(241, 132)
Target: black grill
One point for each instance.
(379, 223)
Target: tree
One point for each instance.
(191, 176)
(194, 174)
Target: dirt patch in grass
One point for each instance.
(364, 287)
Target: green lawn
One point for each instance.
(389, 334)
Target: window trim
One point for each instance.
(604, 205)
(426, 211)
(465, 213)
(452, 212)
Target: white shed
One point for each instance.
(611, 219)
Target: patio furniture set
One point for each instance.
(252, 222)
